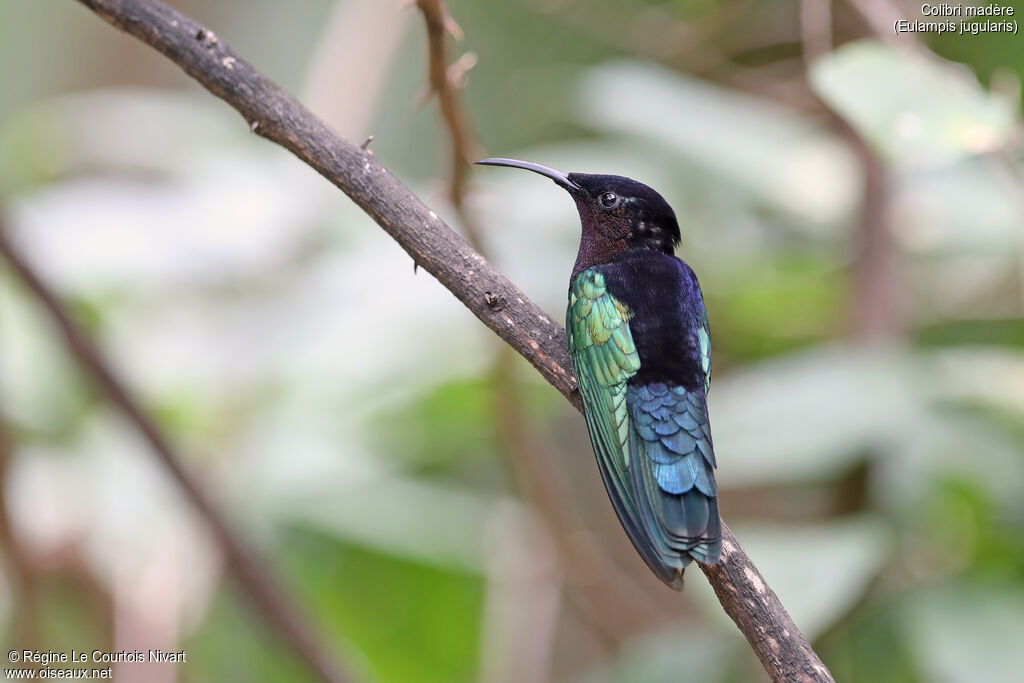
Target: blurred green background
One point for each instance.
(852, 202)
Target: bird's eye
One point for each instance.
(609, 200)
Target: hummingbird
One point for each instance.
(641, 348)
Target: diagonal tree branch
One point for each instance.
(497, 302)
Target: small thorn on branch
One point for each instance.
(366, 143)
(454, 30)
(423, 98)
(495, 302)
(459, 69)
(206, 36)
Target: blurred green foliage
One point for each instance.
(449, 425)
(343, 406)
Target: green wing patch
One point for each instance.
(704, 339)
(605, 357)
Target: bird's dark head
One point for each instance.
(616, 213)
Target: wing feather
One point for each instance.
(652, 443)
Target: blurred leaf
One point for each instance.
(981, 374)
(411, 622)
(390, 620)
(450, 423)
(669, 655)
(434, 524)
(809, 416)
(151, 134)
(962, 519)
(231, 645)
(968, 209)
(41, 390)
(914, 109)
(153, 189)
(32, 151)
(873, 646)
(766, 308)
(1000, 332)
(965, 633)
(948, 445)
(1009, 422)
(760, 148)
(995, 56)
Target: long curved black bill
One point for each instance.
(560, 178)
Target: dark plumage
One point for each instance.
(639, 340)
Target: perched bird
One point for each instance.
(639, 341)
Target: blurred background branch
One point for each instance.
(21, 570)
(445, 79)
(278, 609)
